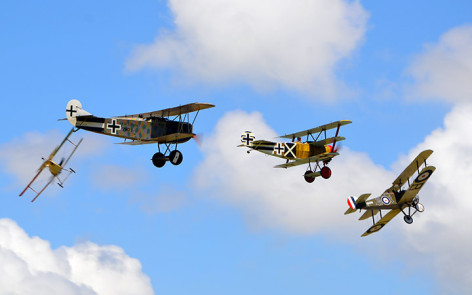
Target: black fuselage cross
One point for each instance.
(248, 139)
(279, 148)
(113, 126)
(71, 110)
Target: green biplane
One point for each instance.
(395, 199)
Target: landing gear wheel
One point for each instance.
(408, 219)
(175, 157)
(419, 207)
(325, 172)
(158, 160)
(309, 179)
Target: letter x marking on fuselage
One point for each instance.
(71, 111)
(289, 152)
(113, 126)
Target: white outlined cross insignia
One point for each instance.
(279, 148)
(113, 126)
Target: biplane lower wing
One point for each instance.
(169, 138)
(314, 159)
(42, 190)
(369, 213)
(34, 178)
(317, 129)
(382, 222)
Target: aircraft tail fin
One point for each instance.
(74, 110)
(247, 138)
(354, 203)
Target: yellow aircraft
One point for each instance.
(54, 168)
(395, 198)
(297, 152)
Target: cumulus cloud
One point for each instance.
(444, 70)
(21, 157)
(167, 199)
(439, 239)
(280, 198)
(30, 266)
(267, 43)
(443, 233)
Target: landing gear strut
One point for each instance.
(175, 157)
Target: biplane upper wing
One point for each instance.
(410, 170)
(417, 184)
(73, 151)
(317, 158)
(317, 129)
(175, 111)
(382, 222)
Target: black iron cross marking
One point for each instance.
(279, 148)
(113, 126)
(248, 139)
(71, 111)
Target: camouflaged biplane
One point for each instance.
(395, 198)
(169, 127)
(311, 152)
(54, 168)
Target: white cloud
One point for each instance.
(265, 43)
(444, 70)
(443, 233)
(30, 266)
(440, 238)
(167, 199)
(281, 198)
(115, 177)
(21, 157)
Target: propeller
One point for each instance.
(198, 139)
(335, 148)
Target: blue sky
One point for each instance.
(224, 221)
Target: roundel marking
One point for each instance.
(386, 200)
(423, 176)
(375, 228)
